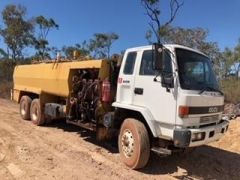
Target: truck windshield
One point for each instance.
(195, 71)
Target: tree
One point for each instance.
(17, 32)
(196, 38)
(231, 60)
(3, 54)
(41, 43)
(153, 11)
(191, 37)
(101, 44)
(231, 83)
(81, 49)
(237, 55)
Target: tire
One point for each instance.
(37, 116)
(25, 104)
(133, 144)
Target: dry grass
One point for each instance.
(231, 89)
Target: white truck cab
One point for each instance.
(175, 90)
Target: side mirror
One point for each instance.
(167, 80)
(158, 56)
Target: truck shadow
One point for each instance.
(205, 162)
(86, 135)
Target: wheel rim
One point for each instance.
(35, 114)
(23, 111)
(127, 142)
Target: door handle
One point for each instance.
(138, 91)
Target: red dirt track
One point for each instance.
(60, 151)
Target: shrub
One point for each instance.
(5, 89)
(231, 89)
(6, 70)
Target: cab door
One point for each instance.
(126, 78)
(149, 93)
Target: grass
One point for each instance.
(231, 89)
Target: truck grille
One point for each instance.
(209, 119)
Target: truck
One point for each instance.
(162, 98)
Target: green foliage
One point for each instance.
(231, 60)
(227, 61)
(45, 25)
(224, 62)
(41, 43)
(82, 50)
(192, 37)
(17, 32)
(101, 44)
(195, 38)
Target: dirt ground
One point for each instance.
(60, 151)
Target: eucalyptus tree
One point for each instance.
(17, 31)
(158, 27)
(101, 44)
(43, 27)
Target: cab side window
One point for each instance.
(129, 63)
(147, 64)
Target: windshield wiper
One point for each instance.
(210, 89)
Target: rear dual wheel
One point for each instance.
(25, 104)
(31, 110)
(36, 114)
(133, 143)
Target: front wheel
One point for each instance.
(133, 143)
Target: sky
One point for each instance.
(80, 19)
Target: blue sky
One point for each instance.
(80, 19)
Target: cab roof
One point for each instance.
(169, 46)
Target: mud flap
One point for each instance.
(181, 138)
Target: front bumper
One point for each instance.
(184, 137)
